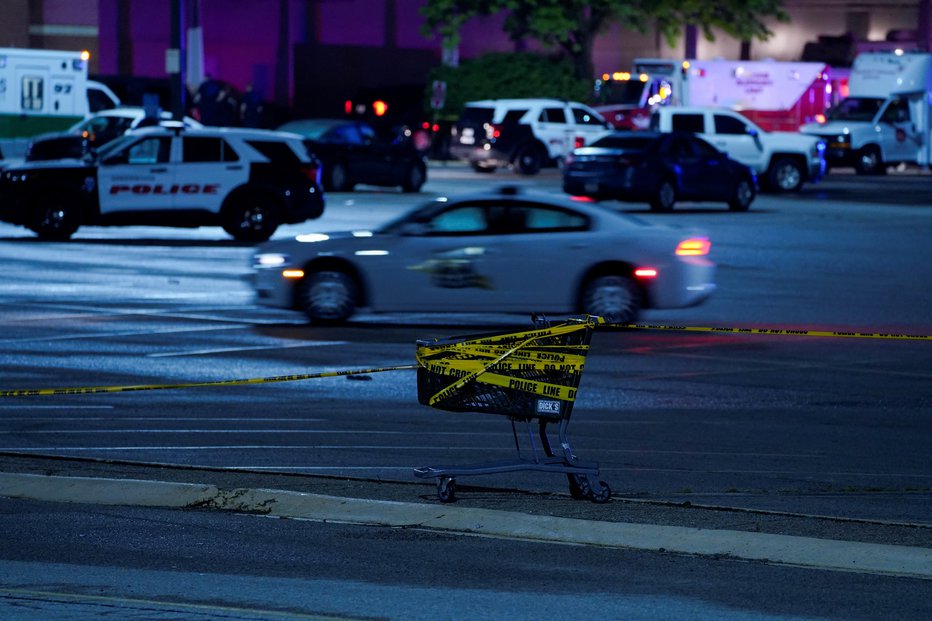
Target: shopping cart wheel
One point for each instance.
(446, 489)
(602, 494)
(579, 487)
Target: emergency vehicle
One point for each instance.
(246, 180)
(885, 119)
(44, 91)
(777, 96)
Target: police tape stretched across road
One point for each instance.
(472, 360)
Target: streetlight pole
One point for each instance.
(175, 61)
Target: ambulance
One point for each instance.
(777, 96)
(44, 91)
(885, 119)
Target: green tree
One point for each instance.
(573, 25)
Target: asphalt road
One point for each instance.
(752, 433)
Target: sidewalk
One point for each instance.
(811, 541)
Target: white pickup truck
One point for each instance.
(784, 161)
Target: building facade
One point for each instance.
(313, 54)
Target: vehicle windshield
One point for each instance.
(111, 147)
(623, 92)
(855, 109)
(312, 129)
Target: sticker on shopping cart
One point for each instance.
(547, 406)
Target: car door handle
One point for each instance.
(158, 170)
(235, 167)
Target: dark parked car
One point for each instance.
(659, 168)
(94, 132)
(351, 152)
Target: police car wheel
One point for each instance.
(328, 296)
(614, 298)
(528, 160)
(56, 219)
(251, 218)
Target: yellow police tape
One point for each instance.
(28, 392)
(478, 359)
(481, 356)
(784, 332)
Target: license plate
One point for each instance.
(591, 187)
(468, 136)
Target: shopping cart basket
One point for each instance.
(529, 375)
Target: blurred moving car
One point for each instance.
(247, 181)
(503, 252)
(352, 153)
(94, 132)
(659, 168)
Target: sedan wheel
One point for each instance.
(328, 297)
(743, 196)
(614, 298)
(665, 197)
(338, 179)
(414, 179)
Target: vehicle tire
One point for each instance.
(615, 298)
(743, 195)
(528, 159)
(328, 296)
(251, 217)
(338, 178)
(414, 178)
(785, 175)
(664, 197)
(868, 161)
(56, 217)
(482, 169)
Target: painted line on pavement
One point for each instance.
(825, 554)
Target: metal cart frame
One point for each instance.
(529, 375)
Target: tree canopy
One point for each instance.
(572, 25)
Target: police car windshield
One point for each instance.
(112, 147)
(855, 109)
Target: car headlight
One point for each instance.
(270, 260)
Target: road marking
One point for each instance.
(106, 335)
(56, 407)
(824, 554)
(226, 350)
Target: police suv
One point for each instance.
(248, 181)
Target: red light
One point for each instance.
(379, 107)
(348, 106)
(579, 142)
(436, 127)
(694, 247)
(582, 199)
(820, 118)
(645, 272)
(425, 125)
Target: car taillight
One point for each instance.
(694, 247)
(312, 171)
(493, 131)
(579, 142)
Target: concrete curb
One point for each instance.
(824, 554)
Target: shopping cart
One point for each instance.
(529, 375)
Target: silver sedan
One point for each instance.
(505, 252)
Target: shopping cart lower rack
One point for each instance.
(527, 376)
